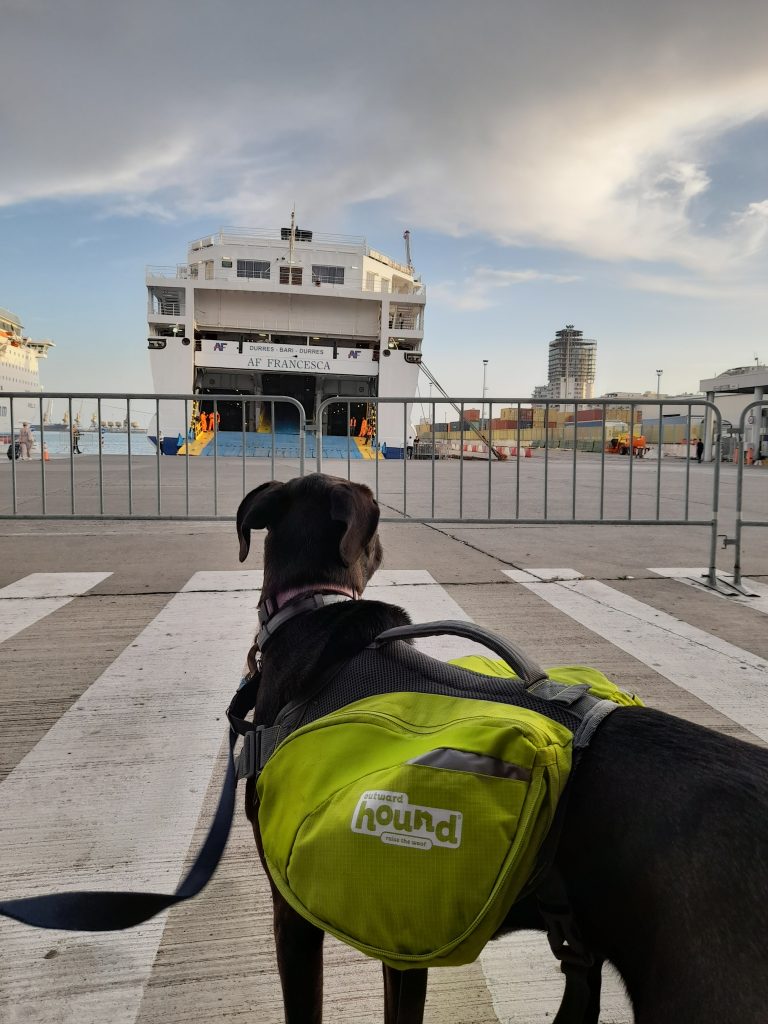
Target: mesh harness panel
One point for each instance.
(399, 668)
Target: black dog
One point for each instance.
(664, 845)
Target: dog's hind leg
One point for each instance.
(595, 979)
(405, 993)
(581, 998)
(299, 948)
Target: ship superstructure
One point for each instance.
(19, 358)
(287, 312)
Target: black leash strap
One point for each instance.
(107, 911)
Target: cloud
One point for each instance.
(80, 241)
(694, 288)
(585, 127)
(481, 288)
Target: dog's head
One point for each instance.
(320, 529)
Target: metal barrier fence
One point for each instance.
(542, 464)
(532, 474)
(758, 454)
(123, 474)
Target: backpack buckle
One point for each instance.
(248, 758)
(258, 745)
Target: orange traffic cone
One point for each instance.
(45, 453)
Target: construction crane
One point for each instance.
(407, 240)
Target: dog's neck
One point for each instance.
(275, 611)
(284, 596)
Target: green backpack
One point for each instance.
(407, 824)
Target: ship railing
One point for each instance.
(400, 321)
(272, 239)
(379, 285)
(6, 314)
(271, 235)
(317, 330)
(168, 272)
(380, 257)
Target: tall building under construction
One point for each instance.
(572, 361)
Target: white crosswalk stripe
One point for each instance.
(424, 600)
(32, 598)
(109, 798)
(728, 678)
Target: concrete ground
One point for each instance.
(121, 643)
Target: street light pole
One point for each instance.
(482, 409)
(658, 382)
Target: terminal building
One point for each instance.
(732, 391)
(287, 312)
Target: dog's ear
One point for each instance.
(354, 505)
(259, 509)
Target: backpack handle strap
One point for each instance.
(528, 671)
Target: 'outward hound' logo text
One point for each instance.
(389, 816)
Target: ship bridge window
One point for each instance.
(290, 275)
(327, 275)
(253, 268)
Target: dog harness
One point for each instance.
(274, 613)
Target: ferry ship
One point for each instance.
(286, 312)
(19, 358)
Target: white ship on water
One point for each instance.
(286, 312)
(19, 358)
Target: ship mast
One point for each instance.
(292, 241)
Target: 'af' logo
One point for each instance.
(219, 346)
(353, 353)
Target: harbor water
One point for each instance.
(59, 446)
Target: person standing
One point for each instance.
(26, 440)
(76, 440)
(409, 447)
(699, 450)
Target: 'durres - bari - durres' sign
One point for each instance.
(266, 358)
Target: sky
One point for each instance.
(602, 163)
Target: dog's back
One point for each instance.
(665, 852)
